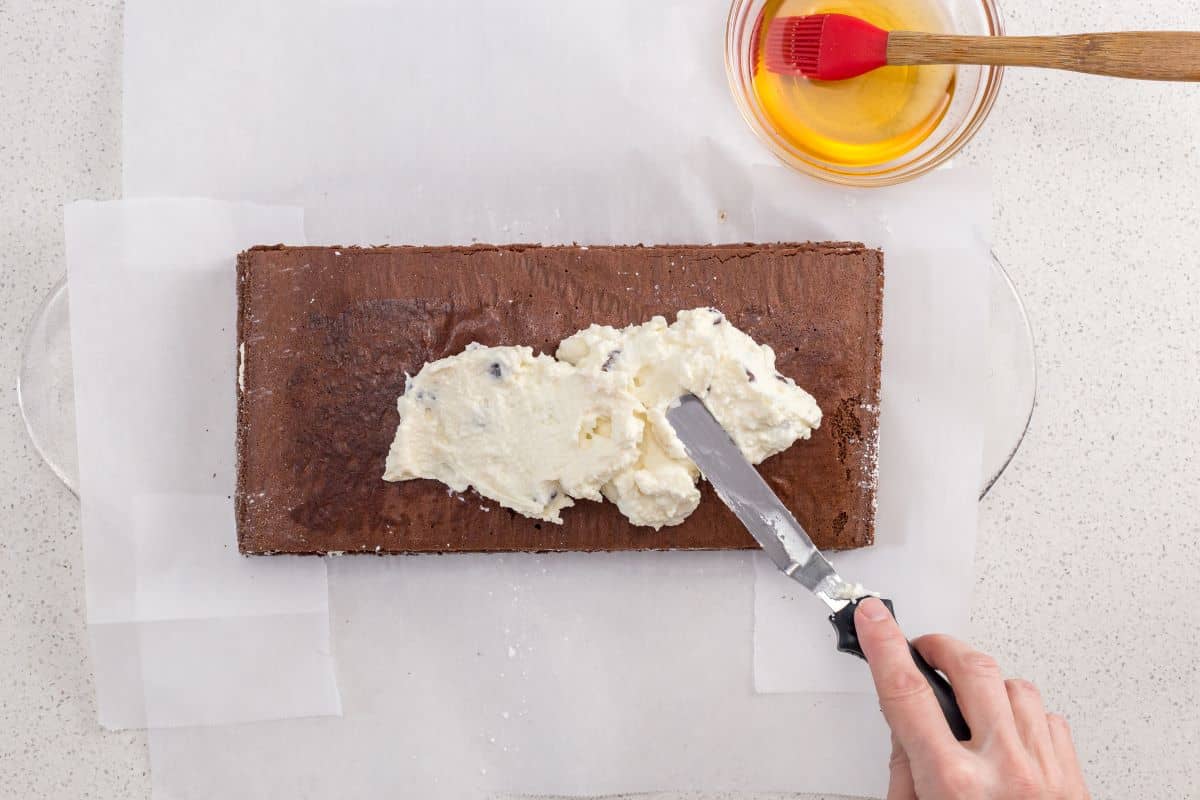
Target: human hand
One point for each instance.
(1016, 752)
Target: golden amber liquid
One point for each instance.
(863, 121)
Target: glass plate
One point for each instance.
(46, 394)
(45, 388)
(1011, 383)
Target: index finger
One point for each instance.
(904, 695)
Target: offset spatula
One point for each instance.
(779, 534)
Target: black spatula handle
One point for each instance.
(843, 623)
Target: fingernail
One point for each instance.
(873, 609)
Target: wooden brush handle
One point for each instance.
(1158, 56)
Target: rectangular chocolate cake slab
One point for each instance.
(327, 335)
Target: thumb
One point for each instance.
(907, 702)
(900, 782)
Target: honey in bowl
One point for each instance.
(862, 121)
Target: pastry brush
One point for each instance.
(832, 47)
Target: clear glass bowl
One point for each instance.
(974, 93)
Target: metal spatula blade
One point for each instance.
(762, 512)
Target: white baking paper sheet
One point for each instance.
(572, 674)
(551, 122)
(448, 121)
(183, 631)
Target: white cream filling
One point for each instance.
(534, 433)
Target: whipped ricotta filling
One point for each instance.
(535, 433)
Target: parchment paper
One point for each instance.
(183, 631)
(444, 122)
(552, 122)
(572, 674)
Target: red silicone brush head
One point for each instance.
(827, 47)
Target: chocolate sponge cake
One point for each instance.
(326, 336)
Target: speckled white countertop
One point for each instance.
(1089, 548)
